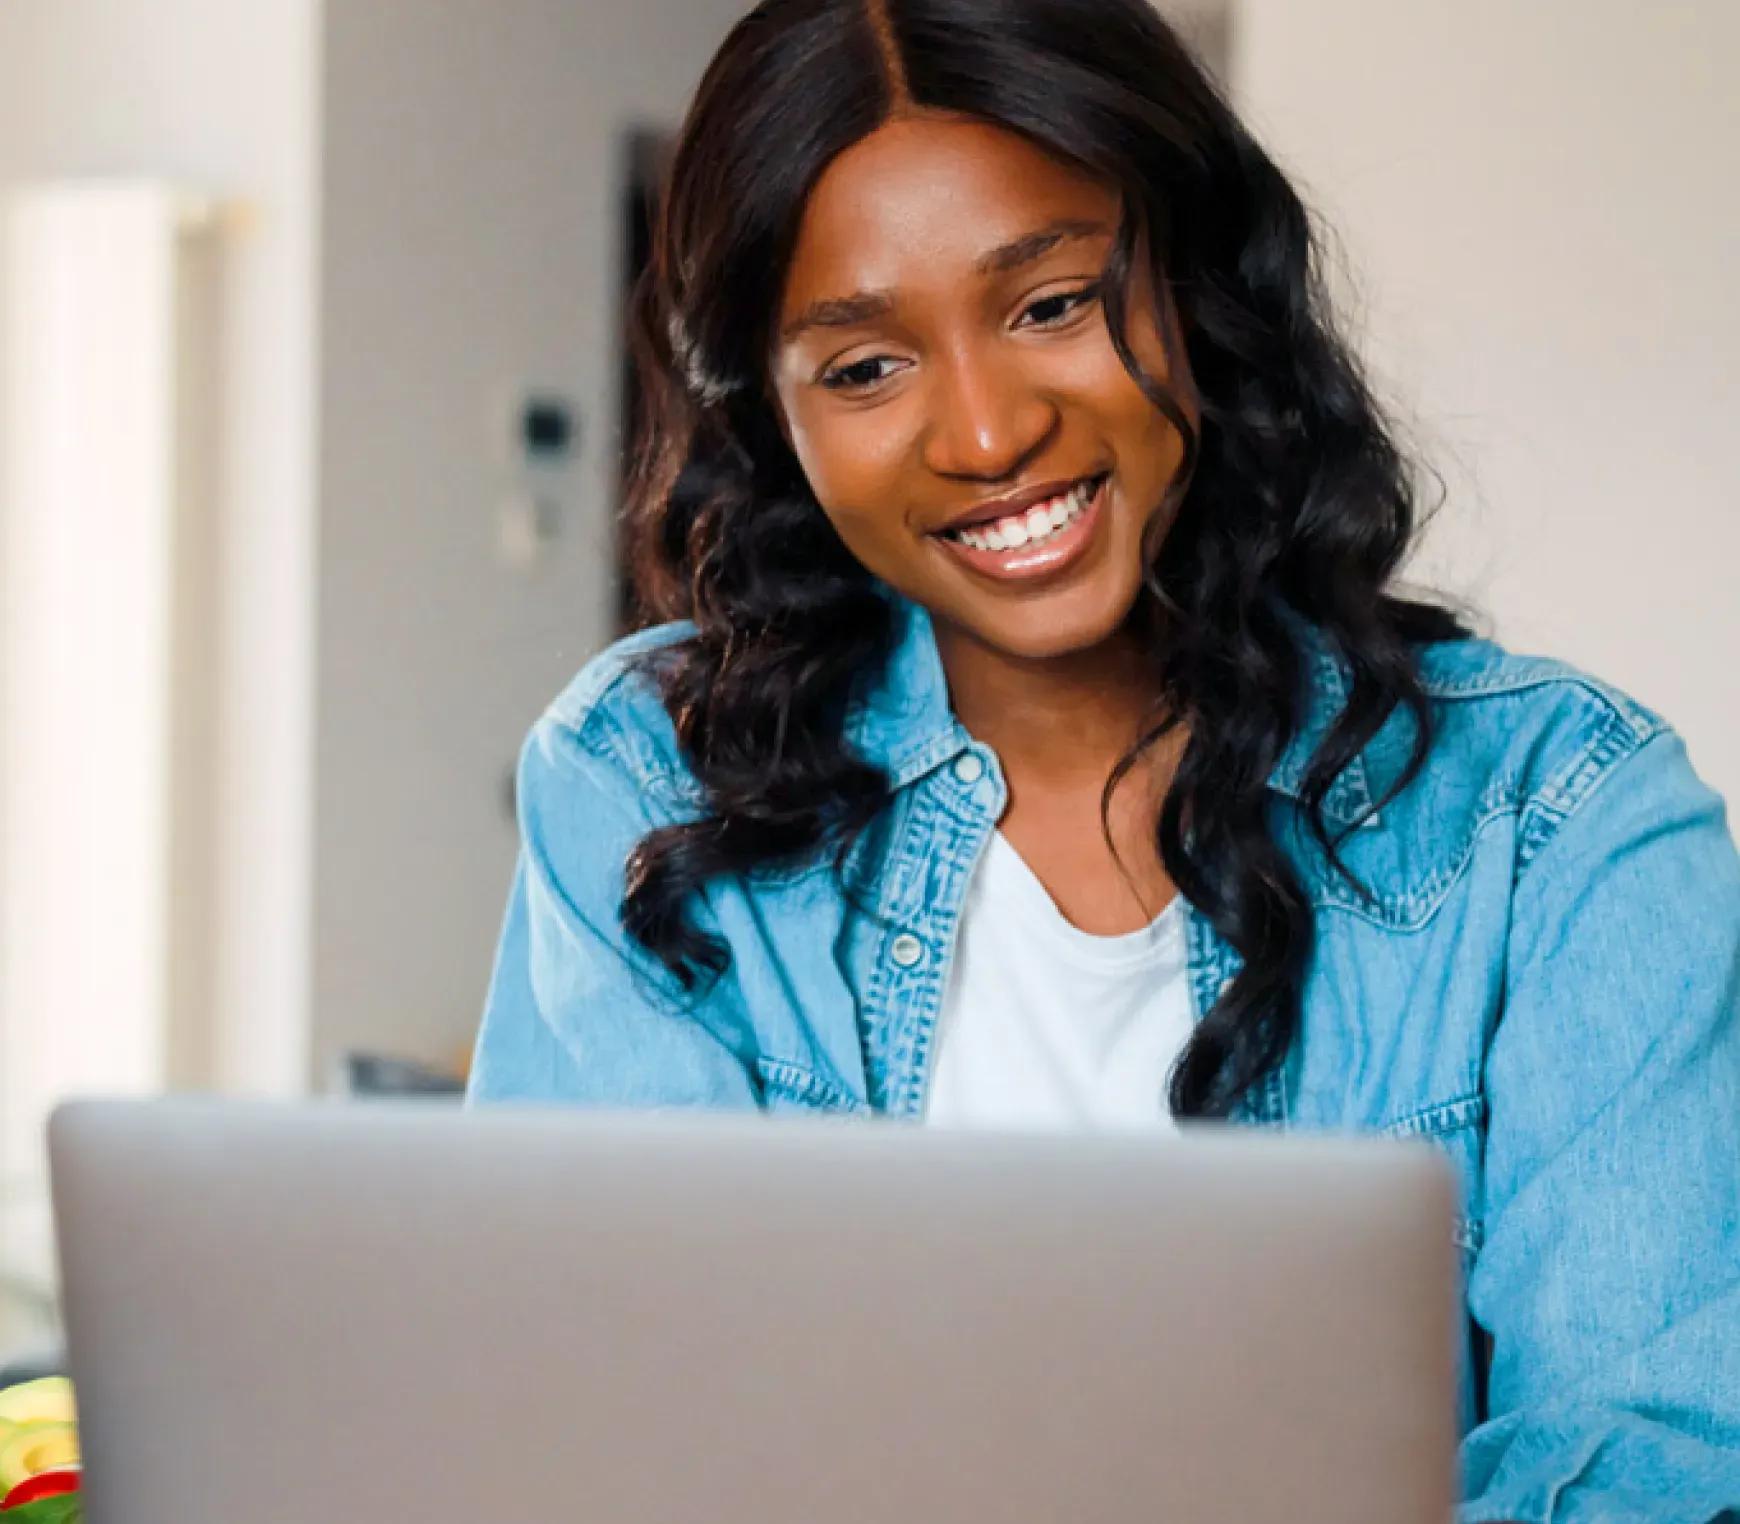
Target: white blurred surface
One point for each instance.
(86, 662)
(224, 97)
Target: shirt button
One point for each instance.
(906, 949)
(969, 769)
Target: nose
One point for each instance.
(987, 420)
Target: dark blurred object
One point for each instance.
(546, 428)
(31, 1367)
(645, 155)
(375, 1075)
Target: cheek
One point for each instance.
(855, 465)
(1146, 434)
(1091, 376)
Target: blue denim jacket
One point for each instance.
(1545, 983)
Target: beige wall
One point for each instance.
(470, 243)
(1543, 203)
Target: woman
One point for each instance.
(1044, 742)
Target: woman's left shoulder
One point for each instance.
(1481, 683)
(1531, 733)
(1522, 746)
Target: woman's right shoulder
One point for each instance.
(612, 716)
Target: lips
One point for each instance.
(1017, 505)
(1032, 540)
(1032, 526)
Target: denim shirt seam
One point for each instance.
(804, 1084)
(599, 732)
(587, 692)
(1560, 797)
(881, 1040)
(1414, 910)
(1444, 1119)
(943, 928)
(1516, 674)
(1440, 1117)
(898, 1045)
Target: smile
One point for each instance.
(1034, 541)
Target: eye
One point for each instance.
(1051, 311)
(856, 376)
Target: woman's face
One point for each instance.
(944, 373)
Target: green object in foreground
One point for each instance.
(57, 1510)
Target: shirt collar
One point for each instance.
(903, 724)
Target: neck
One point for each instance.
(1061, 718)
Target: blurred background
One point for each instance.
(311, 405)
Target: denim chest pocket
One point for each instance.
(788, 1087)
(1408, 870)
(1457, 1129)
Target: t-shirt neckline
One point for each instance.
(1106, 953)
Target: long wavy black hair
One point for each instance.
(1295, 498)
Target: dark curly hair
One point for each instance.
(1296, 500)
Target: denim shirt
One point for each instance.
(1544, 982)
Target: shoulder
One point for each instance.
(1484, 679)
(1520, 746)
(612, 714)
(613, 707)
(1533, 734)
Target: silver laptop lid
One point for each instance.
(408, 1312)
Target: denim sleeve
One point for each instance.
(576, 1011)
(1609, 1274)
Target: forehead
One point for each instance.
(920, 199)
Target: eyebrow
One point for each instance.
(862, 306)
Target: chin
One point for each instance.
(1048, 629)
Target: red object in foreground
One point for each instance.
(45, 1484)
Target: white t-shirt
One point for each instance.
(1046, 1026)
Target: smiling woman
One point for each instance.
(920, 270)
(1040, 737)
(971, 352)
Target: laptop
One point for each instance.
(412, 1313)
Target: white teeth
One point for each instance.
(1033, 527)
